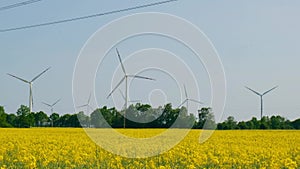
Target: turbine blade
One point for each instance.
(253, 91)
(123, 68)
(89, 98)
(18, 78)
(82, 106)
(55, 102)
(140, 77)
(270, 90)
(116, 87)
(193, 100)
(40, 74)
(46, 104)
(186, 95)
(135, 101)
(183, 103)
(122, 95)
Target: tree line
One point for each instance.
(140, 116)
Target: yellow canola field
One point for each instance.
(72, 148)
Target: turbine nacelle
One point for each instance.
(125, 78)
(51, 105)
(261, 97)
(87, 105)
(30, 85)
(187, 99)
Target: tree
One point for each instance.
(182, 118)
(142, 107)
(54, 119)
(63, 121)
(100, 118)
(12, 120)
(73, 121)
(254, 123)
(40, 118)
(167, 117)
(24, 117)
(242, 125)
(206, 117)
(30, 119)
(228, 124)
(264, 123)
(83, 119)
(296, 124)
(3, 116)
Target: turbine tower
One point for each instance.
(187, 100)
(130, 101)
(125, 78)
(30, 86)
(261, 97)
(51, 105)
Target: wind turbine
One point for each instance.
(30, 86)
(261, 97)
(130, 101)
(87, 105)
(51, 105)
(125, 78)
(187, 100)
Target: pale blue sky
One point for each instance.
(258, 43)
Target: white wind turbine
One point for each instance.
(187, 100)
(51, 105)
(125, 78)
(30, 86)
(261, 97)
(87, 105)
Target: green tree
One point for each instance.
(3, 117)
(142, 107)
(254, 123)
(63, 121)
(228, 124)
(100, 118)
(265, 123)
(296, 124)
(23, 117)
(168, 116)
(242, 125)
(206, 117)
(40, 118)
(12, 120)
(73, 121)
(83, 119)
(54, 119)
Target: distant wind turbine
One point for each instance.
(30, 86)
(187, 100)
(51, 105)
(87, 105)
(125, 78)
(261, 97)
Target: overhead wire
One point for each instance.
(18, 4)
(86, 17)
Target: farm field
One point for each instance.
(72, 148)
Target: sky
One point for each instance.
(257, 42)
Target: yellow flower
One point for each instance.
(72, 148)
